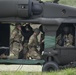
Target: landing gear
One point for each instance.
(50, 66)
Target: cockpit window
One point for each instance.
(65, 36)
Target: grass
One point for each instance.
(66, 2)
(70, 71)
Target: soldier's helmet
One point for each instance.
(18, 26)
(37, 31)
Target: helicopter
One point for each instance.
(54, 17)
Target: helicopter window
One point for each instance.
(65, 36)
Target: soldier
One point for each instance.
(59, 41)
(68, 38)
(16, 41)
(65, 39)
(33, 53)
(27, 31)
(41, 38)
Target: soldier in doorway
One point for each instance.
(27, 31)
(33, 53)
(41, 38)
(16, 39)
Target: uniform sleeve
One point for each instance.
(13, 34)
(30, 41)
(71, 38)
(58, 38)
(22, 38)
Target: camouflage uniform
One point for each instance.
(15, 43)
(66, 40)
(27, 31)
(58, 40)
(32, 46)
(41, 41)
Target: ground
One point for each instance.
(27, 68)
